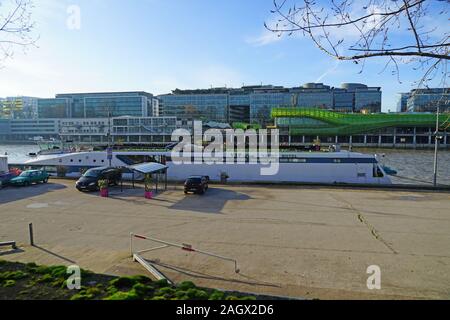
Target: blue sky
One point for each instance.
(160, 45)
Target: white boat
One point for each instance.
(306, 167)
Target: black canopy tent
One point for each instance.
(151, 168)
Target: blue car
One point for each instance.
(28, 177)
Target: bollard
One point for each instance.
(30, 227)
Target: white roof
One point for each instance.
(149, 167)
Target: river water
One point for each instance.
(413, 166)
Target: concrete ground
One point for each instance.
(311, 242)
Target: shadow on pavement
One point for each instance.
(201, 275)
(213, 201)
(11, 193)
(54, 254)
(11, 251)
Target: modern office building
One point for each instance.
(19, 107)
(5, 128)
(253, 104)
(402, 103)
(427, 100)
(27, 129)
(91, 131)
(196, 104)
(98, 105)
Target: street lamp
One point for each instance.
(437, 137)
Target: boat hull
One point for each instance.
(307, 167)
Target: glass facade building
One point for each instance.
(97, 105)
(20, 107)
(188, 107)
(427, 100)
(253, 104)
(54, 108)
(402, 103)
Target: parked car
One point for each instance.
(30, 176)
(197, 184)
(89, 180)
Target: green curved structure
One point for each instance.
(334, 123)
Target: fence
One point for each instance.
(184, 246)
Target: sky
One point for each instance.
(159, 45)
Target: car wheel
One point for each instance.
(26, 184)
(45, 180)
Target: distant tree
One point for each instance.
(412, 32)
(16, 26)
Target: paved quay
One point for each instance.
(312, 242)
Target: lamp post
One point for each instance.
(109, 136)
(436, 148)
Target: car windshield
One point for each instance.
(25, 174)
(92, 173)
(194, 180)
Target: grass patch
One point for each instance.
(33, 282)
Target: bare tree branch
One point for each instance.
(15, 26)
(359, 30)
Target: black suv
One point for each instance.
(89, 180)
(197, 184)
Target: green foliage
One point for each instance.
(197, 294)
(123, 288)
(120, 295)
(165, 292)
(128, 282)
(9, 283)
(13, 275)
(87, 294)
(248, 298)
(148, 182)
(142, 290)
(245, 126)
(103, 184)
(186, 285)
(46, 278)
(217, 295)
(161, 283)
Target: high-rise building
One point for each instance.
(97, 105)
(427, 100)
